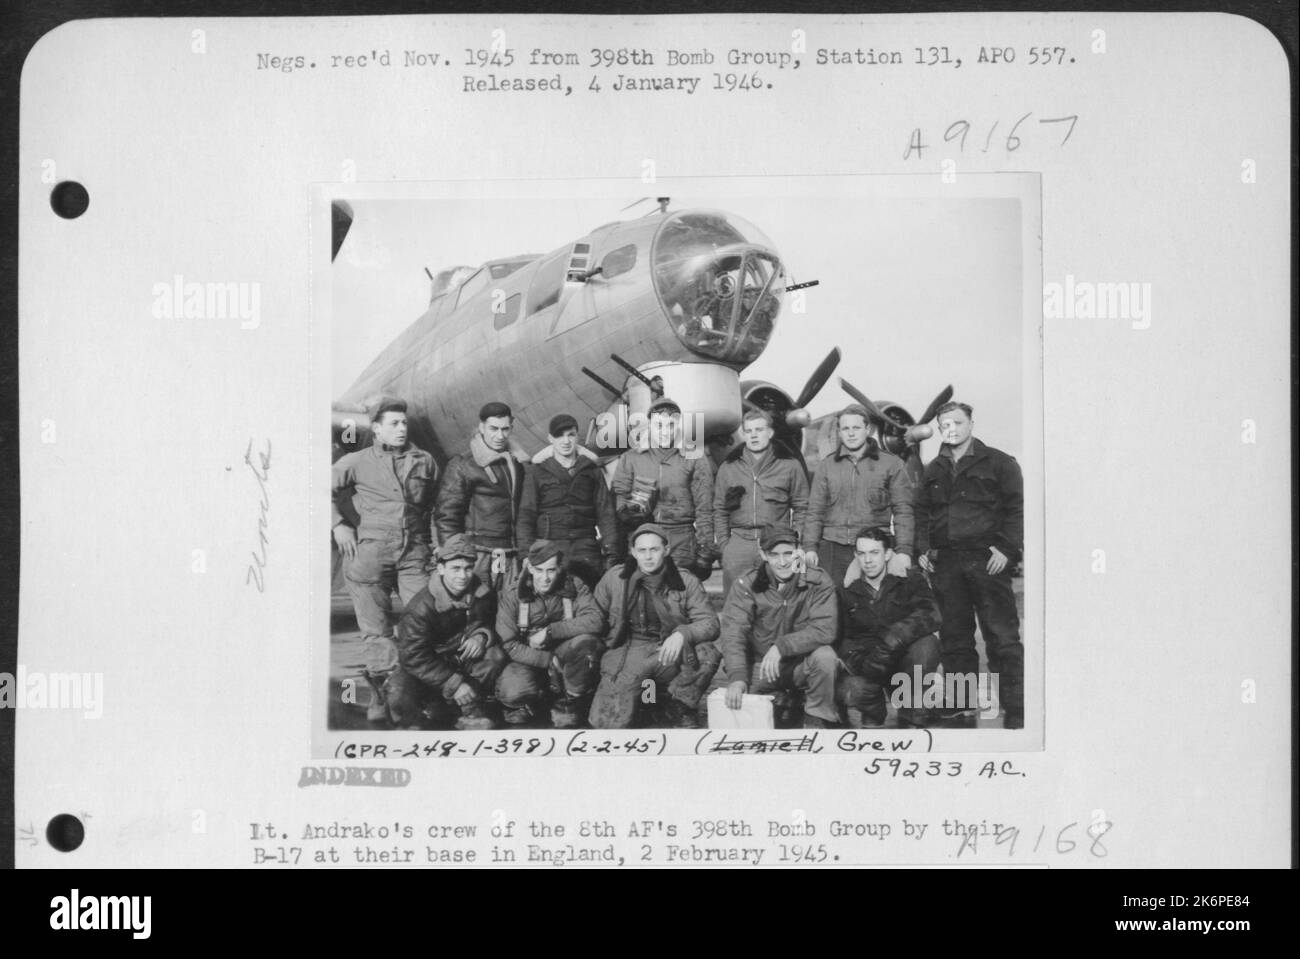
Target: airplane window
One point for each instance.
(472, 287)
(618, 261)
(500, 271)
(545, 288)
(508, 313)
(760, 302)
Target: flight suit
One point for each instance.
(847, 495)
(885, 632)
(750, 493)
(639, 616)
(800, 618)
(479, 497)
(683, 494)
(565, 668)
(428, 642)
(569, 507)
(392, 492)
(963, 508)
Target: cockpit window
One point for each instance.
(505, 313)
(472, 287)
(545, 288)
(500, 271)
(618, 262)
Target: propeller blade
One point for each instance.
(818, 379)
(872, 408)
(932, 410)
(340, 222)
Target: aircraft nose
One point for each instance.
(723, 303)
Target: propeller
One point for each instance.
(908, 434)
(797, 416)
(818, 379)
(872, 408)
(932, 410)
(340, 222)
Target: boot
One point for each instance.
(916, 719)
(474, 717)
(860, 720)
(956, 719)
(787, 707)
(568, 712)
(434, 715)
(681, 716)
(518, 716)
(377, 709)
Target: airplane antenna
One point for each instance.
(662, 202)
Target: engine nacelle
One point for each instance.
(890, 437)
(708, 394)
(787, 421)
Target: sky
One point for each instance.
(918, 292)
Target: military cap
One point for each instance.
(456, 546)
(776, 534)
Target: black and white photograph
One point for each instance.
(714, 440)
(750, 460)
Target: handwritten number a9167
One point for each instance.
(955, 130)
(1011, 148)
(959, 130)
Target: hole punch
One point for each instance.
(65, 832)
(69, 199)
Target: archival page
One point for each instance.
(655, 441)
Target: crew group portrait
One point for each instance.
(565, 589)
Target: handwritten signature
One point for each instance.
(256, 569)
